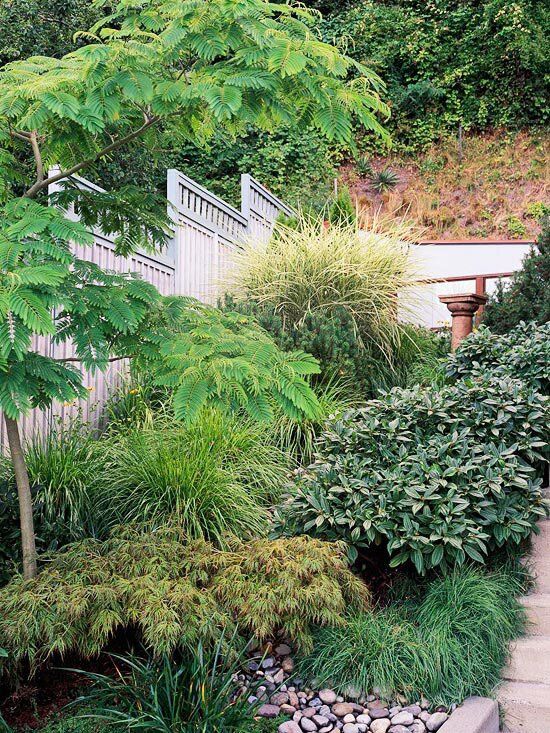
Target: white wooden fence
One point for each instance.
(205, 230)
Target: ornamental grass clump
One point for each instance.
(213, 477)
(438, 475)
(451, 643)
(174, 593)
(315, 268)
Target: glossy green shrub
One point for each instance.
(436, 475)
(174, 593)
(522, 353)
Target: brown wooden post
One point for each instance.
(462, 307)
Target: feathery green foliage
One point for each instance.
(175, 593)
(224, 359)
(184, 70)
(450, 644)
(214, 477)
(193, 693)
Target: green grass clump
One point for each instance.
(189, 693)
(211, 478)
(171, 592)
(452, 644)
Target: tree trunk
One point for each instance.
(25, 498)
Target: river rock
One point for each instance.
(289, 726)
(327, 696)
(380, 726)
(268, 711)
(402, 718)
(435, 721)
(308, 725)
(342, 708)
(350, 728)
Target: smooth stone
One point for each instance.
(287, 709)
(268, 711)
(414, 709)
(398, 729)
(395, 709)
(435, 721)
(349, 718)
(268, 663)
(308, 725)
(327, 696)
(315, 702)
(309, 712)
(376, 713)
(350, 728)
(363, 718)
(424, 715)
(321, 720)
(293, 699)
(326, 728)
(282, 650)
(380, 726)
(289, 726)
(279, 698)
(417, 727)
(287, 665)
(279, 677)
(403, 718)
(357, 709)
(342, 708)
(298, 715)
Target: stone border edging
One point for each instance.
(475, 715)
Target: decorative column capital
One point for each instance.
(462, 307)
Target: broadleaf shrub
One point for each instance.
(438, 475)
(523, 352)
(175, 593)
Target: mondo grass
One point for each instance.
(213, 478)
(452, 644)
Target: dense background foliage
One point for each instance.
(527, 296)
(479, 64)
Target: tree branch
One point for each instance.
(112, 359)
(37, 187)
(37, 157)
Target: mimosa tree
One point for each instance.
(181, 70)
